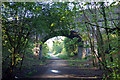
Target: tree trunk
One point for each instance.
(100, 47)
(91, 45)
(80, 51)
(106, 28)
(21, 62)
(40, 52)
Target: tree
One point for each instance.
(70, 46)
(57, 47)
(22, 21)
(101, 25)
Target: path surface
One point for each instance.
(58, 68)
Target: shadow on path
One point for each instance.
(59, 68)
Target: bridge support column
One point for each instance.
(40, 53)
(80, 51)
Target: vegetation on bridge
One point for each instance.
(27, 23)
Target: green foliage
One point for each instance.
(71, 64)
(63, 56)
(106, 39)
(45, 50)
(57, 47)
(87, 57)
(70, 46)
(29, 73)
(22, 20)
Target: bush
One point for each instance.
(63, 56)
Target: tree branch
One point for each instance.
(110, 29)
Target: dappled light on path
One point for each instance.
(58, 68)
(53, 56)
(65, 76)
(55, 71)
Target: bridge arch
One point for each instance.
(70, 34)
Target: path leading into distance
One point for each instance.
(59, 68)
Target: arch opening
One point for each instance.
(69, 34)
